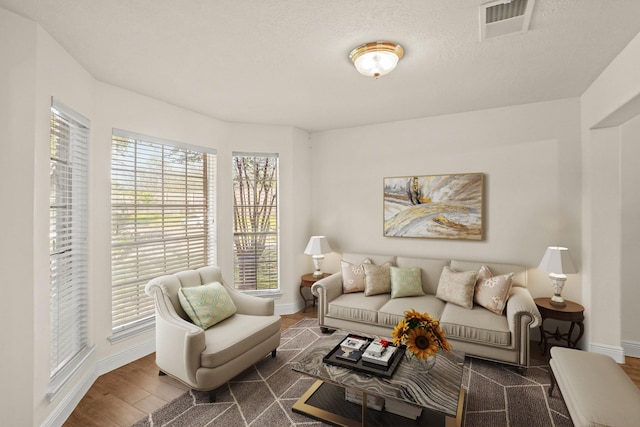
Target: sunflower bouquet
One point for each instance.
(421, 333)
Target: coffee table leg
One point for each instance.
(457, 421)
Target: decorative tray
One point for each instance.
(336, 357)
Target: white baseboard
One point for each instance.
(59, 415)
(117, 360)
(616, 353)
(631, 348)
(287, 308)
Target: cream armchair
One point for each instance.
(206, 359)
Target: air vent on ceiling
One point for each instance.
(505, 17)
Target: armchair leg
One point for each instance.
(212, 396)
(161, 374)
(553, 382)
(273, 353)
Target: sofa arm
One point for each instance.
(522, 308)
(326, 290)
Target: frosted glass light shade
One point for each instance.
(377, 58)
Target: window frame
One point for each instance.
(172, 233)
(69, 345)
(275, 232)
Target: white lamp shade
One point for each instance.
(557, 260)
(318, 245)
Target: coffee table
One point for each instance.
(439, 392)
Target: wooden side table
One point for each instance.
(572, 312)
(307, 281)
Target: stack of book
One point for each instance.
(351, 348)
(379, 353)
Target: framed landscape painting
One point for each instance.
(434, 206)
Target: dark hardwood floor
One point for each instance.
(123, 396)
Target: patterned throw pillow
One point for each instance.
(353, 276)
(492, 292)
(206, 305)
(406, 282)
(457, 287)
(377, 279)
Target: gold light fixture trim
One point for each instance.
(376, 59)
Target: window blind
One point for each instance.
(255, 208)
(68, 254)
(162, 218)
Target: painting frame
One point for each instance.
(449, 206)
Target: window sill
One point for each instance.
(140, 328)
(276, 294)
(62, 378)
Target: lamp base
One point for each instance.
(317, 264)
(557, 281)
(557, 301)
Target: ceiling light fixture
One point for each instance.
(376, 59)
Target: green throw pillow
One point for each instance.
(206, 305)
(406, 282)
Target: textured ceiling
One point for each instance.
(286, 62)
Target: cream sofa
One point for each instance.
(478, 332)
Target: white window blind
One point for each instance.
(255, 221)
(162, 218)
(68, 257)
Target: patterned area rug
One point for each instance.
(497, 395)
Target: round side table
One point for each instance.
(572, 312)
(306, 281)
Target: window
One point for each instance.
(162, 219)
(68, 225)
(255, 221)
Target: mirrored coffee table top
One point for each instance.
(437, 390)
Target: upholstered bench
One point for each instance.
(596, 390)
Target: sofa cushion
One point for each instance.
(431, 270)
(235, 336)
(477, 325)
(406, 282)
(393, 311)
(353, 276)
(457, 286)
(492, 292)
(206, 305)
(356, 307)
(377, 279)
(498, 269)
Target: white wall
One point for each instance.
(609, 140)
(34, 69)
(630, 265)
(530, 155)
(17, 95)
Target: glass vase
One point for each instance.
(421, 366)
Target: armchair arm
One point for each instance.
(326, 290)
(173, 332)
(251, 304)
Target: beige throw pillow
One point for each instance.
(492, 292)
(377, 279)
(353, 276)
(457, 287)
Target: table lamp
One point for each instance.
(558, 263)
(317, 247)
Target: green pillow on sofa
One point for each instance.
(406, 282)
(206, 305)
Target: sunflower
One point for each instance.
(399, 332)
(421, 343)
